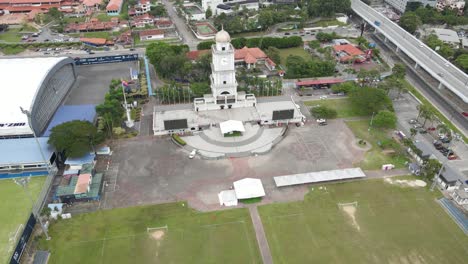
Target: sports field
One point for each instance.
(15, 208)
(176, 235)
(391, 224)
(205, 29)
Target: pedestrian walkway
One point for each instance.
(260, 234)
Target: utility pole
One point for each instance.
(25, 181)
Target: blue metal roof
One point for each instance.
(66, 113)
(23, 151)
(88, 158)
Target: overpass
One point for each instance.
(447, 74)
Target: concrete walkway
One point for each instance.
(260, 234)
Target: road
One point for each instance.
(441, 69)
(181, 26)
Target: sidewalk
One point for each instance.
(260, 234)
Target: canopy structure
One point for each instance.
(231, 126)
(227, 198)
(249, 188)
(320, 176)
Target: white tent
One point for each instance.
(231, 126)
(249, 188)
(227, 198)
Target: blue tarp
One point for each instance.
(66, 113)
(9, 175)
(23, 151)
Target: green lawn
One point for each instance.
(343, 106)
(392, 225)
(14, 211)
(375, 158)
(120, 236)
(297, 51)
(103, 17)
(12, 50)
(10, 36)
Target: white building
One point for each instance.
(223, 79)
(213, 4)
(452, 4)
(151, 34)
(194, 12)
(400, 5)
(460, 195)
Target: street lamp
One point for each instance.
(24, 182)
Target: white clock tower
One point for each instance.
(224, 93)
(223, 76)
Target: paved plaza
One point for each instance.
(147, 170)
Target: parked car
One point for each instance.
(452, 157)
(322, 122)
(438, 145)
(192, 154)
(421, 130)
(465, 114)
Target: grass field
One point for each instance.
(375, 158)
(393, 224)
(298, 51)
(15, 208)
(120, 236)
(343, 106)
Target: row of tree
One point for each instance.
(262, 43)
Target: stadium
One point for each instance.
(38, 85)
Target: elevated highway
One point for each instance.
(447, 74)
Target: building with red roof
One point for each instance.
(92, 4)
(114, 7)
(142, 21)
(250, 57)
(151, 34)
(96, 42)
(164, 23)
(349, 53)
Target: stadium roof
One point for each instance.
(67, 113)
(21, 79)
(23, 151)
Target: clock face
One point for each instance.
(223, 61)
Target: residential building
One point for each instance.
(142, 7)
(92, 4)
(460, 195)
(163, 24)
(96, 42)
(142, 21)
(26, 6)
(114, 7)
(452, 4)
(450, 179)
(349, 53)
(400, 5)
(151, 34)
(95, 25)
(250, 57)
(213, 4)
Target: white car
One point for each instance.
(192, 154)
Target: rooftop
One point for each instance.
(249, 188)
(67, 113)
(20, 81)
(446, 35)
(151, 32)
(23, 151)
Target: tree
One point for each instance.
(369, 100)
(431, 169)
(410, 22)
(399, 71)
(425, 112)
(385, 119)
(345, 87)
(55, 13)
(368, 77)
(326, 37)
(199, 89)
(208, 13)
(274, 54)
(158, 11)
(413, 132)
(74, 138)
(327, 8)
(462, 62)
(265, 18)
(323, 112)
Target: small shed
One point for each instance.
(230, 126)
(227, 198)
(249, 188)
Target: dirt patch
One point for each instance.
(406, 183)
(157, 235)
(350, 211)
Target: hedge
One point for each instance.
(262, 43)
(178, 139)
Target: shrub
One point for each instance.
(323, 112)
(178, 139)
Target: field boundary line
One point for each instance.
(220, 224)
(285, 215)
(248, 240)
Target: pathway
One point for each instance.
(260, 234)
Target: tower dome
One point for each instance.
(222, 36)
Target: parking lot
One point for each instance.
(149, 170)
(93, 82)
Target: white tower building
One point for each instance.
(224, 93)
